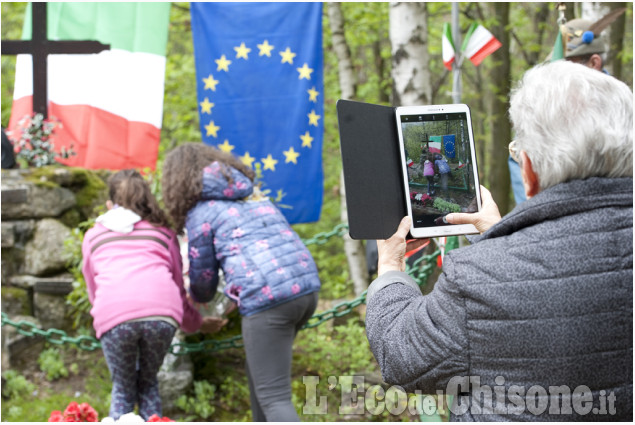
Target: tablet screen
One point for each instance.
(440, 164)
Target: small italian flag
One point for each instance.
(110, 104)
(447, 46)
(479, 43)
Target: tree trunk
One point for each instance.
(409, 41)
(354, 249)
(500, 77)
(614, 60)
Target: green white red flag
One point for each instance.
(110, 104)
(479, 43)
(447, 45)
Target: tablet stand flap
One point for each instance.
(372, 173)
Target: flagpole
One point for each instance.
(458, 57)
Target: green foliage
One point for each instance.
(16, 386)
(233, 396)
(12, 18)
(77, 299)
(200, 404)
(37, 404)
(445, 206)
(52, 363)
(327, 351)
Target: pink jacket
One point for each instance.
(134, 275)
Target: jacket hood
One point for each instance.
(119, 219)
(215, 185)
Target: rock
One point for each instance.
(49, 301)
(19, 350)
(44, 253)
(16, 301)
(25, 199)
(175, 377)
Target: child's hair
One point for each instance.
(128, 189)
(183, 177)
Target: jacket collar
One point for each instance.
(564, 199)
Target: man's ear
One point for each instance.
(595, 62)
(530, 178)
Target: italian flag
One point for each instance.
(447, 45)
(434, 145)
(110, 104)
(479, 43)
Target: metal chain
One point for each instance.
(420, 270)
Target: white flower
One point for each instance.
(128, 418)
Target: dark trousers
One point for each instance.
(134, 352)
(268, 337)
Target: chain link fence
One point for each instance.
(420, 270)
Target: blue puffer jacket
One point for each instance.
(264, 261)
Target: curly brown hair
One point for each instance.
(183, 177)
(128, 189)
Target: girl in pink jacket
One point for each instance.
(133, 271)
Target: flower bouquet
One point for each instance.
(33, 145)
(75, 412)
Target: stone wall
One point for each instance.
(40, 207)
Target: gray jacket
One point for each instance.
(538, 309)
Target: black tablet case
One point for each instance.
(371, 159)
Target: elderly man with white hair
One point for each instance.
(533, 320)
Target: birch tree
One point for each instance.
(410, 57)
(355, 252)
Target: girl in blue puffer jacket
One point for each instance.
(269, 272)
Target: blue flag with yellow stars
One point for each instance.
(260, 94)
(449, 145)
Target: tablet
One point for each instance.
(438, 164)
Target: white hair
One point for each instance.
(573, 122)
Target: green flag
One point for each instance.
(558, 51)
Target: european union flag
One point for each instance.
(260, 90)
(449, 145)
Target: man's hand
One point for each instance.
(482, 220)
(212, 325)
(391, 252)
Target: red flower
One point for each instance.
(157, 418)
(56, 416)
(75, 413)
(71, 414)
(87, 413)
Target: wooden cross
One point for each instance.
(39, 47)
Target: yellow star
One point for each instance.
(305, 72)
(226, 147)
(241, 51)
(269, 163)
(212, 129)
(313, 94)
(313, 118)
(210, 83)
(206, 106)
(306, 139)
(223, 64)
(291, 156)
(287, 56)
(247, 160)
(265, 49)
